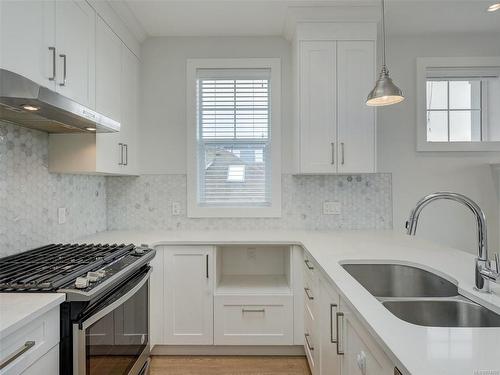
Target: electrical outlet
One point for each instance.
(176, 208)
(61, 215)
(332, 208)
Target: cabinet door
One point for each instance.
(108, 73)
(130, 111)
(188, 295)
(362, 355)
(318, 100)
(27, 31)
(356, 121)
(329, 306)
(75, 40)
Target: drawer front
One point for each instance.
(253, 320)
(32, 340)
(310, 342)
(48, 364)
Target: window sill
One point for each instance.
(234, 212)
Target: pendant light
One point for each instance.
(385, 91)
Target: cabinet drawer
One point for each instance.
(253, 320)
(42, 334)
(310, 342)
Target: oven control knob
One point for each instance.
(101, 273)
(93, 276)
(139, 250)
(81, 282)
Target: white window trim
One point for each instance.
(193, 209)
(423, 64)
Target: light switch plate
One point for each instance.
(61, 215)
(176, 208)
(332, 208)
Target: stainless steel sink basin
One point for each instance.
(443, 313)
(394, 280)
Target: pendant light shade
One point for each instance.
(385, 91)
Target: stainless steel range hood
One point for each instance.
(28, 104)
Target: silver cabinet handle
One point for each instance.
(126, 154)
(333, 152)
(64, 69)
(253, 310)
(309, 296)
(19, 352)
(308, 264)
(342, 146)
(337, 316)
(121, 153)
(306, 336)
(206, 259)
(336, 339)
(53, 50)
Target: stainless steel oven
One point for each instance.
(111, 335)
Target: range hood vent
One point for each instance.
(26, 103)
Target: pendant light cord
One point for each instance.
(383, 33)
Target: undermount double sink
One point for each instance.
(421, 297)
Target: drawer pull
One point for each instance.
(306, 336)
(309, 296)
(19, 352)
(332, 340)
(308, 264)
(339, 330)
(253, 310)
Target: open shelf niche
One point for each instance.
(253, 270)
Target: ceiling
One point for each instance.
(269, 17)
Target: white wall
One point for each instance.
(163, 107)
(417, 174)
(163, 135)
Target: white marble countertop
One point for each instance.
(18, 309)
(417, 349)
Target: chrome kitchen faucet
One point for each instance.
(483, 272)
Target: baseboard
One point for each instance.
(289, 350)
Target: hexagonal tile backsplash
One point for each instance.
(146, 203)
(30, 195)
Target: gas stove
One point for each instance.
(107, 297)
(81, 271)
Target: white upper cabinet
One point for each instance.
(75, 51)
(109, 66)
(108, 72)
(335, 66)
(318, 110)
(27, 40)
(130, 111)
(356, 120)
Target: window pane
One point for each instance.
(437, 94)
(465, 126)
(465, 94)
(437, 126)
(234, 174)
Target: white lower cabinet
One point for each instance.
(253, 320)
(361, 354)
(328, 308)
(36, 345)
(188, 302)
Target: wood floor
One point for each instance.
(228, 365)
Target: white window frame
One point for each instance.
(423, 65)
(193, 209)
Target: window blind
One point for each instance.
(234, 137)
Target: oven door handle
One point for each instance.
(101, 313)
